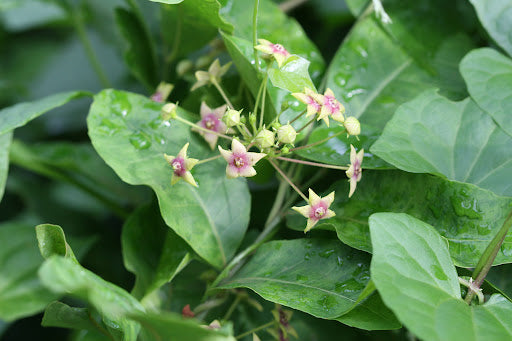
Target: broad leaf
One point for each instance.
(496, 17)
(21, 292)
(58, 314)
(317, 276)
(63, 276)
(139, 54)
(152, 251)
(501, 277)
(20, 114)
(52, 241)
(467, 216)
(412, 270)
(167, 326)
(127, 132)
(457, 140)
(5, 144)
(292, 76)
(488, 75)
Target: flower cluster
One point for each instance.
(272, 143)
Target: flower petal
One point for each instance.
(328, 199)
(329, 214)
(313, 198)
(226, 154)
(237, 147)
(205, 110)
(211, 139)
(232, 172)
(247, 171)
(353, 185)
(220, 111)
(183, 151)
(255, 157)
(304, 210)
(187, 177)
(190, 163)
(311, 223)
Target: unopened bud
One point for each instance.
(265, 138)
(252, 118)
(352, 125)
(169, 111)
(184, 67)
(285, 105)
(276, 125)
(243, 120)
(286, 134)
(285, 150)
(231, 118)
(203, 61)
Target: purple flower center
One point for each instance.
(331, 103)
(315, 104)
(157, 97)
(357, 169)
(178, 166)
(279, 49)
(318, 211)
(211, 122)
(240, 161)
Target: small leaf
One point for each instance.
(496, 17)
(488, 75)
(5, 144)
(412, 270)
(22, 113)
(51, 241)
(292, 76)
(58, 314)
(63, 276)
(457, 140)
(151, 250)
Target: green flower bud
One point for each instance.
(243, 120)
(231, 118)
(169, 111)
(286, 134)
(252, 118)
(264, 139)
(352, 125)
(276, 125)
(285, 150)
(184, 67)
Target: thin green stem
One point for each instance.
(198, 127)
(232, 307)
(317, 142)
(471, 287)
(485, 263)
(265, 326)
(298, 116)
(306, 125)
(309, 163)
(262, 110)
(255, 32)
(296, 189)
(208, 159)
(89, 51)
(258, 96)
(222, 93)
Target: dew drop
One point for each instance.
(506, 249)
(326, 254)
(140, 141)
(108, 127)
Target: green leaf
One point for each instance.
(5, 144)
(167, 326)
(52, 241)
(357, 6)
(496, 17)
(168, 2)
(151, 250)
(500, 276)
(292, 76)
(21, 292)
(139, 54)
(457, 140)
(20, 114)
(127, 132)
(318, 276)
(58, 314)
(488, 75)
(467, 216)
(412, 270)
(63, 276)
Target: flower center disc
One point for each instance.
(239, 162)
(319, 212)
(209, 123)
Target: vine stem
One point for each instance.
(208, 159)
(262, 110)
(221, 91)
(254, 330)
(306, 125)
(309, 163)
(187, 122)
(487, 258)
(317, 142)
(89, 51)
(255, 32)
(298, 116)
(295, 188)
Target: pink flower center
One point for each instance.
(157, 97)
(279, 49)
(315, 104)
(178, 166)
(332, 104)
(357, 169)
(318, 211)
(211, 122)
(240, 161)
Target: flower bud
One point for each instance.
(243, 120)
(184, 67)
(352, 125)
(231, 118)
(203, 61)
(286, 134)
(285, 150)
(162, 92)
(169, 111)
(252, 118)
(265, 138)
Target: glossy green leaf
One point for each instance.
(152, 251)
(457, 140)
(20, 114)
(127, 132)
(168, 2)
(21, 292)
(496, 17)
(5, 144)
(63, 276)
(488, 75)
(58, 314)
(167, 326)
(412, 270)
(292, 76)
(52, 241)
(501, 277)
(318, 276)
(467, 216)
(139, 54)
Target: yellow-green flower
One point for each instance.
(181, 166)
(316, 209)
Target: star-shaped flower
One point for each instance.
(181, 166)
(330, 107)
(275, 50)
(354, 170)
(240, 161)
(308, 98)
(317, 208)
(211, 120)
(162, 92)
(215, 71)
